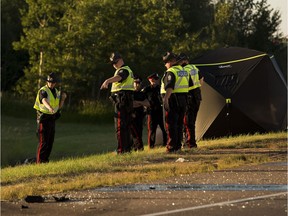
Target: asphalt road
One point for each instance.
(250, 190)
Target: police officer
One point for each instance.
(174, 88)
(48, 104)
(193, 100)
(122, 97)
(155, 111)
(140, 103)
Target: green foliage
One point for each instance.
(247, 23)
(75, 38)
(12, 63)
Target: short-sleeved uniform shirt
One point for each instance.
(169, 82)
(123, 73)
(44, 94)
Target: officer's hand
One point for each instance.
(51, 110)
(63, 96)
(104, 85)
(166, 105)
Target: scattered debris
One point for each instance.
(181, 160)
(34, 199)
(61, 199)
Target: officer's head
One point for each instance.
(116, 59)
(169, 59)
(182, 58)
(137, 82)
(153, 79)
(52, 79)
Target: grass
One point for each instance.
(78, 173)
(19, 141)
(83, 153)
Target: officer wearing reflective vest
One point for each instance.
(122, 98)
(193, 100)
(48, 103)
(174, 88)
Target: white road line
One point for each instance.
(216, 204)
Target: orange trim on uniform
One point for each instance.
(167, 128)
(187, 129)
(120, 147)
(40, 132)
(149, 128)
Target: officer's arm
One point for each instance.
(168, 93)
(169, 89)
(201, 78)
(166, 98)
(63, 97)
(113, 79)
(47, 105)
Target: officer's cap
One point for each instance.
(182, 56)
(115, 56)
(153, 76)
(169, 56)
(52, 77)
(137, 79)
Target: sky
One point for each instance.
(282, 6)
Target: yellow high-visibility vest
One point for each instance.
(181, 82)
(127, 84)
(193, 72)
(54, 102)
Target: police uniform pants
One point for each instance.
(155, 118)
(137, 130)
(122, 122)
(193, 104)
(174, 122)
(46, 134)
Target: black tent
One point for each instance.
(242, 93)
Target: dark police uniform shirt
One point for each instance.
(123, 73)
(154, 97)
(139, 96)
(43, 94)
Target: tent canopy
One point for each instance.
(242, 93)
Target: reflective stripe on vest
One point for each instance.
(181, 80)
(162, 87)
(127, 84)
(54, 102)
(193, 72)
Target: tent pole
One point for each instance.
(228, 119)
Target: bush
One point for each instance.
(86, 112)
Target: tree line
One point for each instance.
(74, 38)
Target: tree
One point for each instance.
(75, 39)
(40, 26)
(12, 63)
(265, 26)
(246, 23)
